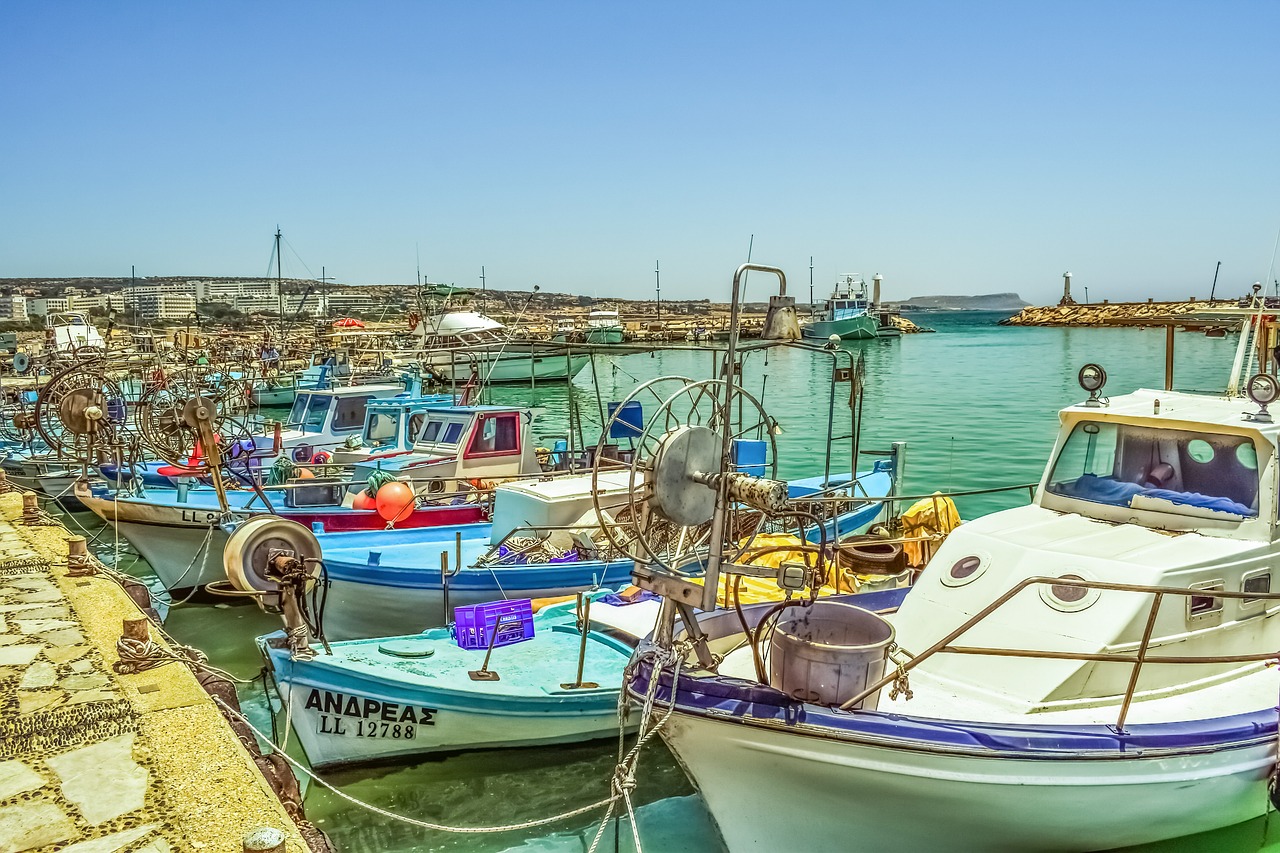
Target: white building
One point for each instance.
(46, 305)
(13, 308)
(242, 295)
(164, 306)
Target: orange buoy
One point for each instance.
(305, 474)
(395, 502)
(364, 500)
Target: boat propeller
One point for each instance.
(278, 562)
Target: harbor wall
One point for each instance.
(1110, 313)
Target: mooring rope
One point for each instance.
(621, 783)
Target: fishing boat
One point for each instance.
(455, 345)
(392, 698)
(1088, 672)
(604, 327)
(426, 441)
(847, 314)
(544, 540)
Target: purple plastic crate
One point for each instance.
(475, 623)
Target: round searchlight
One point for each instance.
(1092, 377)
(1263, 389)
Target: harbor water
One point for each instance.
(977, 404)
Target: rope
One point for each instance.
(421, 824)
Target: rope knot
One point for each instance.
(623, 781)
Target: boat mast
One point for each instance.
(279, 286)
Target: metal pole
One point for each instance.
(657, 276)
(1215, 280)
(1168, 357)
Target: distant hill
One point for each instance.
(986, 302)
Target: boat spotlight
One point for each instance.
(1091, 378)
(1264, 390)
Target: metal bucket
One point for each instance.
(828, 653)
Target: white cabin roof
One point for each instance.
(1179, 409)
(460, 322)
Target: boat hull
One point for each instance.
(172, 537)
(900, 799)
(852, 329)
(509, 366)
(363, 603)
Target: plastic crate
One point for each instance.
(474, 624)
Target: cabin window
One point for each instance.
(415, 423)
(1202, 606)
(1162, 470)
(1259, 583)
(381, 428)
(500, 434)
(966, 570)
(310, 411)
(432, 432)
(349, 412)
(1069, 598)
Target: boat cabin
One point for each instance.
(1154, 488)
(455, 444)
(392, 425)
(69, 330)
(324, 418)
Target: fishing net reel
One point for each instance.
(184, 416)
(684, 462)
(80, 413)
(279, 563)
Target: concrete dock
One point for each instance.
(92, 761)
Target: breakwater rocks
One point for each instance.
(1117, 313)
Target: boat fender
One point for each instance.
(870, 555)
(301, 453)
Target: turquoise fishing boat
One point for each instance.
(847, 313)
(381, 699)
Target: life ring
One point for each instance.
(302, 453)
(321, 457)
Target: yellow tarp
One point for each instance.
(927, 517)
(761, 553)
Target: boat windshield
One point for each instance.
(381, 429)
(308, 412)
(1163, 470)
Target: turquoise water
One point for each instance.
(977, 404)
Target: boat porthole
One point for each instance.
(1068, 599)
(966, 570)
(1200, 450)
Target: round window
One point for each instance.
(965, 570)
(1200, 450)
(1068, 598)
(1247, 456)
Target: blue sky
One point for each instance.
(951, 147)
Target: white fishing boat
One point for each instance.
(1088, 672)
(456, 345)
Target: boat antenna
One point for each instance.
(484, 291)
(811, 287)
(1215, 280)
(417, 256)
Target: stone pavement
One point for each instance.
(96, 762)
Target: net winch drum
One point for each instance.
(828, 653)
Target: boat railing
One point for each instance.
(1137, 659)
